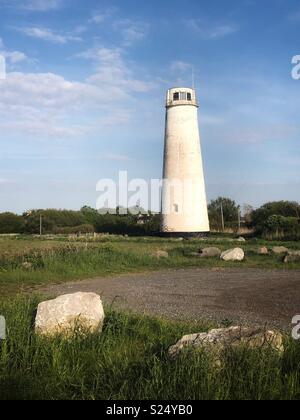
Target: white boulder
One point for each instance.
(280, 250)
(241, 239)
(216, 341)
(236, 254)
(69, 313)
(210, 252)
(292, 258)
(160, 254)
(263, 251)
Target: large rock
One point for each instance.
(236, 254)
(27, 266)
(69, 313)
(241, 239)
(210, 252)
(292, 258)
(216, 341)
(263, 251)
(179, 239)
(160, 254)
(294, 253)
(280, 250)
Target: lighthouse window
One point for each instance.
(183, 96)
(176, 96)
(189, 96)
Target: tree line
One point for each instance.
(274, 220)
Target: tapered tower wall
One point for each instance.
(184, 204)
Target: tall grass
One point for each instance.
(129, 360)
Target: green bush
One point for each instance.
(11, 223)
(52, 219)
(279, 208)
(280, 227)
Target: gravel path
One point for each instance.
(248, 296)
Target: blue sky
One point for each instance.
(85, 87)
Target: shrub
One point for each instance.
(280, 227)
(287, 209)
(11, 223)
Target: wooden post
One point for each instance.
(222, 217)
(41, 225)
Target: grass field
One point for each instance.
(61, 260)
(129, 361)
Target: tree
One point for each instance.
(224, 206)
(247, 213)
(275, 208)
(32, 222)
(90, 215)
(11, 223)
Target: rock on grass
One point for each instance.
(236, 254)
(160, 254)
(210, 252)
(81, 312)
(217, 341)
(278, 250)
(291, 258)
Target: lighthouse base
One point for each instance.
(185, 235)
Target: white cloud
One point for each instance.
(45, 104)
(101, 16)
(46, 34)
(4, 181)
(44, 128)
(180, 66)
(42, 5)
(12, 57)
(211, 31)
(33, 5)
(113, 72)
(131, 31)
(251, 134)
(48, 105)
(117, 158)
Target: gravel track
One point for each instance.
(245, 296)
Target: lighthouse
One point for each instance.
(184, 204)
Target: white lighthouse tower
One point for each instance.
(184, 204)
